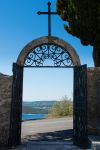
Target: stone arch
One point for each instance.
(46, 40)
(80, 134)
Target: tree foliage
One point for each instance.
(83, 19)
(62, 108)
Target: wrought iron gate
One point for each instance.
(16, 106)
(80, 107)
(80, 136)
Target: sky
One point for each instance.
(20, 24)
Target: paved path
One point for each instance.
(47, 128)
(47, 134)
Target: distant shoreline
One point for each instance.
(33, 119)
(48, 118)
(26, 117)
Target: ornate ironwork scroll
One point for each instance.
(37, 56)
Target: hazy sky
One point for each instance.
(20, 24)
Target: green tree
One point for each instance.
(83, 19)
(62, 108)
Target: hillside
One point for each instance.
(37, 107)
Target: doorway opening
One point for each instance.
(47, 112)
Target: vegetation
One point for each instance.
(83, 18)
(62, 108)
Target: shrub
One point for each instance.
(62, 108)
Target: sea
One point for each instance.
(33, 116)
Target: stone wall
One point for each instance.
(5, 101)
(93, 89)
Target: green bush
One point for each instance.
(62, 108)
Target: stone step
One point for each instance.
(51, 146)
(95, 142)
(45, 145)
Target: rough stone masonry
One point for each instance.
(93, 99)
(5, 105)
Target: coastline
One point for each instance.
(49, 118)
(26, 117)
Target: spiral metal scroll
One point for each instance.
(37, 56)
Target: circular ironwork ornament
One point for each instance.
(60, 52)
(43, 52)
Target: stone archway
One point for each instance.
(80, 94)
(44, 40)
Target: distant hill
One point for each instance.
(37, 107)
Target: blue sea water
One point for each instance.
(33, 116)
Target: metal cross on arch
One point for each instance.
(49, 13)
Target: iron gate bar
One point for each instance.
(48, 66)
